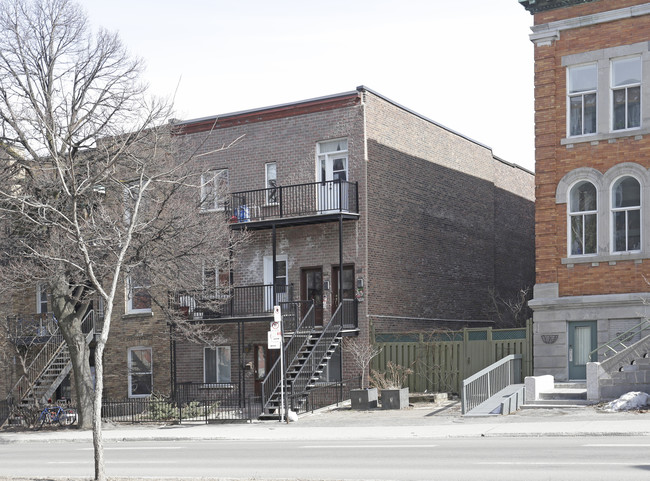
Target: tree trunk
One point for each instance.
(83, 381)
(98, 441)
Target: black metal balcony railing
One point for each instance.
(316, 198)
(232, 301)
(35, 326)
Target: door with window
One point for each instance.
(582, 340)
(311, 289)
(332, 175)
(281, 281)
(264, 360)
(348, 285)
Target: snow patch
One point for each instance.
(629, 401)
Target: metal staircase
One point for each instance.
(306, 354)
(49, 367)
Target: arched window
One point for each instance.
(582, 219)
(626, 215)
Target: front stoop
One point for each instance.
(563, 395)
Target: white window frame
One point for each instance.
(571, 215)
(582, 95)
(41, 289)
(218, 352)
(213, 178)
(132, 372)
(271, 182)
(614, 210)
(625, 87)
(130, 286)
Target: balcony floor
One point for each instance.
(293, 221)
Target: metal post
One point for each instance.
(341, 266)
(274, 269)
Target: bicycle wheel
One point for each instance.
(67, 417)
(43, 418)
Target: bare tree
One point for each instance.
(510, 310)
(362, 353)
(95, 187)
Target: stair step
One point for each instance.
(564, 394)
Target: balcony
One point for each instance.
(234, 302)
(34, 329)
(293, 205)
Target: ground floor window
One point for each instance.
(140, 371)
(216, 365)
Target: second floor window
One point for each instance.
(41, 298)
(626, 215)
(626, 93)
(583, 211)
(582, 85)
(214, 189)
(138, 296)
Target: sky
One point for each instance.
(467, 65)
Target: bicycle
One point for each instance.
(57, 414)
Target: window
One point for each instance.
(216, 365)
(583, 212)
(626, 215)
(582, 99)
(271, 183)
(41, 298)
(626, 93)
(138, 296)
(214, 188)
(140, 372)
(215, 277)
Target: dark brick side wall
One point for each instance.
(439, 214)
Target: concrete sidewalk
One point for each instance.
(430, 421)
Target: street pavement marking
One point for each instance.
(371, 446)
(139, 448)
(646, 445)
(558, 463)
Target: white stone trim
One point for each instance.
(547, 33)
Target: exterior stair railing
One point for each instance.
(309, 371)
(292, 347)
(487, 382)
(620, 342)
(49, 363)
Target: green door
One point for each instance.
(582, 340)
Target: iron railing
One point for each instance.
(231, 301)
(323, 395)
(309, 368)
(33, 329)
(484, 384)
(292, 347)
(194, 402)
(622, 341)
(350, 314)
(41, 362)
(315, 198)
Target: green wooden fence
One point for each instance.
(440, 360)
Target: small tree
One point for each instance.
(362, 353)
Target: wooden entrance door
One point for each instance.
(348, 284)
(264, 359)
(311, 289)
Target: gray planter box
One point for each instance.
(395, 398)
(364, 398)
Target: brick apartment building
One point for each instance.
(592, 120)
(422, 222)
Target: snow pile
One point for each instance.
(629, 401)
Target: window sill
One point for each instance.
(211, 386)
(596, 259)
(568, 141)
(135, 315)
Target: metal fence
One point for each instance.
(5, 409)
(323, 395)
